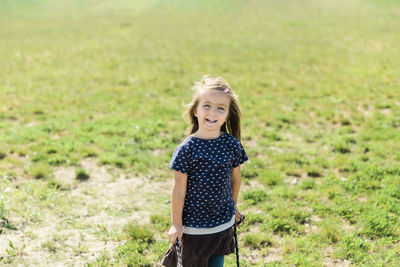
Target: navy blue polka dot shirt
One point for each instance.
(208, 164)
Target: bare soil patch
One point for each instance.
(97, 211)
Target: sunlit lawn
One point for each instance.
(318, 83)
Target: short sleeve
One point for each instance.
(181, 159)
(240, 155)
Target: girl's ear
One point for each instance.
(195, 111)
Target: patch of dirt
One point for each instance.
(250, 142)
(31, 124)
(97, 211)
(158, 152)
(65, 176)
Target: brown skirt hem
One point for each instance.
(197, 249)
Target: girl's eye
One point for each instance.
(221, 108)
(206, 106)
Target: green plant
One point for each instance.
(14, 250)
(282, 225)
(81, 174)
(138, 232)
(330, 232)
(40, 171)
(255, 196)
(160, 222)
(258, 240)
(308, 184)
(50, 245)
(354, 248)
(379, 224)
(270, 177)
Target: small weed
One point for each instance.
(119, 163)
(273, 136)
(50, 245)
(345, 121)
(80, 249)
(104, 232)
(22, 151)
(59, 237)
(330, 233)
(132, 253)
(285, 118)
(300, 216)
(378, 225)
(57, 160)
(270, 177)
(285, 192)
(282, 225)
(89, 152)
(40, 171)
(307, 184)
(341, 147)
(257, 240)
(347, 211)
(14, 251)
(51, 150)
(81, 174)
(138, 232)
(354, 248)
(105, 260)
(253, 218)
(253, 168)
(54, 183)
(37, 157)
(314, 172)
(161, 222)
(255, 196)
(140, 240)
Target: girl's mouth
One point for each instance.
(211, 121)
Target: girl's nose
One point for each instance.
(213, 111)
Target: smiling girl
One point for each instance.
(207, 177)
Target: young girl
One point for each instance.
(207, 178)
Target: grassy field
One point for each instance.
(91, 97)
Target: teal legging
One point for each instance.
(216, 261)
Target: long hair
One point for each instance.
(232, 124)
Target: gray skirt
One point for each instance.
(197, 249)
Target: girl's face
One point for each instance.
(212, 110)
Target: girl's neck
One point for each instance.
(203, 135)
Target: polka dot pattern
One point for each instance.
(208, 164)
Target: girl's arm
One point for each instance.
(177, 200)
(236, 179)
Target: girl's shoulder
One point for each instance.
(185, 144)
(232, 140)
(231, 137)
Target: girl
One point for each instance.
(207, 178)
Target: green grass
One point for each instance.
(318, 86)
(82, 174)
(257, 240)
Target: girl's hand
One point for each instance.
(238, 215)
(176, 231)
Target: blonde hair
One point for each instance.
(232, 124)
